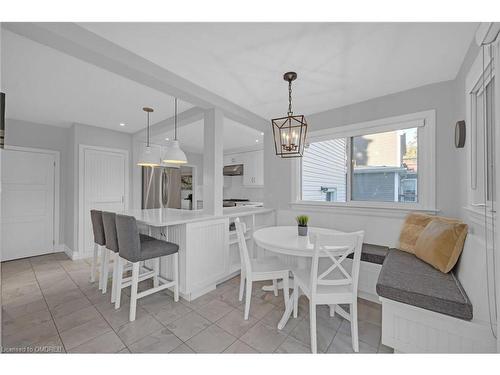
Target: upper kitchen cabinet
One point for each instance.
(253, 170)
(253, 166)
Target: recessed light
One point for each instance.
(122, 124)
(257, 140)
(261, 133)
(167, 139)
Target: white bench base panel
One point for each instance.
(410, 329)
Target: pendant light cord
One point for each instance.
(175, 119)
(290, 98)
(148, 129)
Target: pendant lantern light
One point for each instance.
(148, 156)
(174, 153)
(289, 132)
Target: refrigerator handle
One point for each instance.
(164, 188)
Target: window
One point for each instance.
(383, 166)
(371, 164)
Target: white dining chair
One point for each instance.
(329, 281)
(259, 269)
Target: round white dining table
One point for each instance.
(284, 240)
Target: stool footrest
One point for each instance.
(156, 289)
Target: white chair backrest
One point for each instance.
(241, 229)
(331, 250)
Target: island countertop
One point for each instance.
(163, 217)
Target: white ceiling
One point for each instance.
(49, 87)
(236, 137)
(337, 63)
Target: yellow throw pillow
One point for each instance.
(441, 243)
(414, 225)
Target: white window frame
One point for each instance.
(473, 79)
(425, 121)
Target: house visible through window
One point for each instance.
(385, 166)
(378, 167)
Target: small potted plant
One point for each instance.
(302, 221)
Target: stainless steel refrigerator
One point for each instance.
(161, 187)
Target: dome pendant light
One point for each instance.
(148, 157)
(174, 153)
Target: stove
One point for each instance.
(232, 202)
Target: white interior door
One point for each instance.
(105, 179)
(28, 203)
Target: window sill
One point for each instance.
(361, 208)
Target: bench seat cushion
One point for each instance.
(373, 253)
(407, 279)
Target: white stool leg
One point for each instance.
(312, 322)
(354, 326)
(275, 287)
(133, 293)
(156, 269)
(248, 298)
(242, 286)
(295, 300)
(286, 289)
(105, 271)
(94, 263)
(115, 272)
(176, 277)
(103, 265)
(118, 283)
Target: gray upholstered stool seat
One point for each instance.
(152, 248)
(405, 278)
(372, 253)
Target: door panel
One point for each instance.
(104, 186)
(27, 204)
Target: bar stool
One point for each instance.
(133, 250)
(99, 243)
(112, 249)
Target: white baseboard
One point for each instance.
(73, 255)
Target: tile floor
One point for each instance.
(49, 305)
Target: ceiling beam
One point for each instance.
(85, 45)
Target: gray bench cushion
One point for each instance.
(407, 279)
(373, 253)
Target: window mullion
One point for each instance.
(348, 169)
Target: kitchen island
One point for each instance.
(208, 251)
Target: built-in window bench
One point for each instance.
(425, 310)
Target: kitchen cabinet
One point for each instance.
(253, 172)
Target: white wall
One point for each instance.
(439, 96)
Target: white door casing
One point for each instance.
(30, 202)
(103, 185)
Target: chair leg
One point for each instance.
(118, 283)
(101, 271)
(295, 301)
(312, 328)
(286, 289)
(242, 286)
(354, 326)
(94, 263)
(113, 281)
(275, 287)
(176, 277)
(332, 310)
(248, 297)
(156, 269)
(133, 292)
(105, 271)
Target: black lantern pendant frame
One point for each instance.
(289, 132)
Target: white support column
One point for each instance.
(212, 161)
